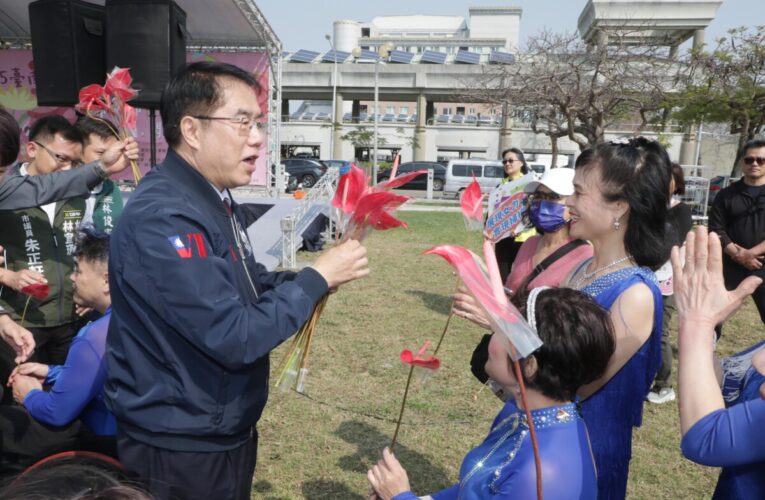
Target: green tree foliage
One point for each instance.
(727, 85)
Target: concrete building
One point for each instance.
(420, 111)
(486, 29)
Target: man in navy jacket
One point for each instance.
(194, 316)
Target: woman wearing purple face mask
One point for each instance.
(550, 217)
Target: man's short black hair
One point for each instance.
(48, 126)
(196, 90)
(753, 144)
(92, 245)
(100, 128)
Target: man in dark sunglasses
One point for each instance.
(738, 218)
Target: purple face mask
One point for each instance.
(547, 216)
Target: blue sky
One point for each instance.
(302, 24)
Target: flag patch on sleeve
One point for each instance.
(185, 250)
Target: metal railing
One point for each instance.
(315, 202)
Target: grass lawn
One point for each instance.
(320, 444)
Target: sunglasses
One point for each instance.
(540, 196)
(751, 160)
(505, 162)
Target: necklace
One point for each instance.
(588, 276)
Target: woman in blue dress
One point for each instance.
(732, 437)
(620, 205)
(578, 342)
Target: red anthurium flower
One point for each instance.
(92, 96)
(374, 201)
(503, 316)
(400, 180)
(128, 118)
(420, 359)
(381, 220)
(118, 84)
(350, 188)
(471, 201)
(38, 291)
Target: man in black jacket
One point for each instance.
(194, 315)
(738, 218)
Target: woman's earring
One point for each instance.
(617, 224)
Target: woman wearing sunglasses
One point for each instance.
(515, 167)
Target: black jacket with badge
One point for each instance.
(194, 316)
(32, 243)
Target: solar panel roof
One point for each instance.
(368, 54)
(304, 56)
(466, 57)
(433, 57)
(399, 56)
(501, 57)
(336, 56)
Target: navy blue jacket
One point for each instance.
(187, 350)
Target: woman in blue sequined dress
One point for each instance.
(578, 342)
(620, 205)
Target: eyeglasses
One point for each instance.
(244, 124)
(751, 160)
(505, 162)
(541, 196)
(59, 158)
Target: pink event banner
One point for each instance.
(18, 96)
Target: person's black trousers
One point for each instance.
(24, 440)
(181, 475)
(734, 274)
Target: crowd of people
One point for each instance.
(151, 345)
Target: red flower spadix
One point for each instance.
(420, 359)
(38, 291)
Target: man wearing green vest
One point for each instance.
(41, 240)
(104, 206)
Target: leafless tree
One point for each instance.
(561, 87)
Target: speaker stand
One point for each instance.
(152, 137)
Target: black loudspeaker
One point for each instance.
(67, 47)
(149, 37)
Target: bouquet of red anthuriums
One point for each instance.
(362, 209)
(108, 103)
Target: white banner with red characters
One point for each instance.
(507, 207)
(17, 95)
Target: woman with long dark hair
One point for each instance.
(621, 194)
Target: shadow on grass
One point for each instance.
(322, 489)
(423, 475)
(433, 301)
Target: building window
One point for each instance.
(365, 32)
(472, 111)
(390, 110)
(460, 110)
(404, 110)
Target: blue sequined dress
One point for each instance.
(617, 407)
(503, 465)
